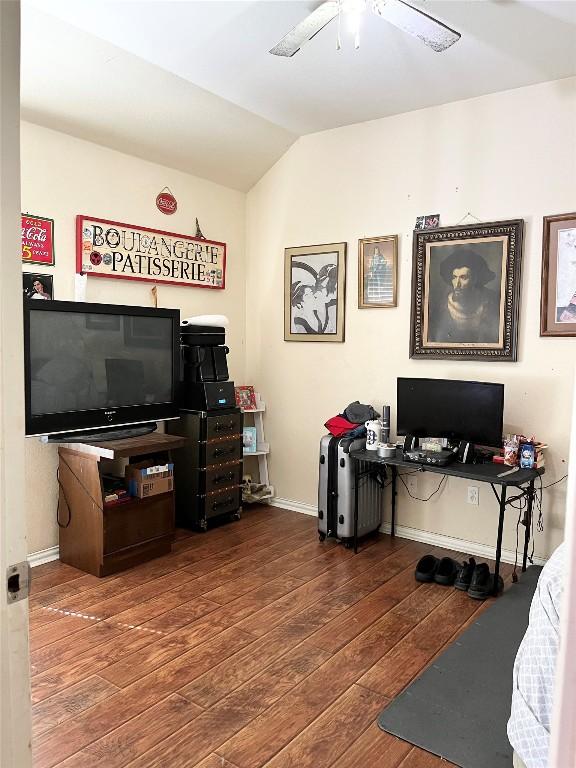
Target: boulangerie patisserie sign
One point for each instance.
(112, 249)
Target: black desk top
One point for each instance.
(483, 473)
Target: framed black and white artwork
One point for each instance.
(314, 285)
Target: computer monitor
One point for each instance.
(457, 410)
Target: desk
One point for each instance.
(522, 480)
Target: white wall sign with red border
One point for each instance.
(166, 202)
(112, 249)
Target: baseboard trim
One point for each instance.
(426, 537)
(402, 531)
(44, 556)
(294, 506)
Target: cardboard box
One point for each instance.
(144, 489)
(144, 480)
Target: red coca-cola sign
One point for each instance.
(166, 202)
(37, 239)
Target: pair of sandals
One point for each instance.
(467, 576)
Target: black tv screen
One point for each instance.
(89, 366)
(457, 410)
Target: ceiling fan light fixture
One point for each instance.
(353, 11)
(432, 32)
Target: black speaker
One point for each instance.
(466, 452)
(410, 443)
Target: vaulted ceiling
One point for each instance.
(191, 84)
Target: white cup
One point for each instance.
(373, 433)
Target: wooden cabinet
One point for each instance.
(208, 471)
(104, 538)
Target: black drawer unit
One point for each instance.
(208, 471)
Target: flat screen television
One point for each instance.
(98, 366)
(457, 410)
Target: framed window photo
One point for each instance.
(314, 284)
(558, 297)
(465, 292)
(377, 271)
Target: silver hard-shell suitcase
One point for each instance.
(336, 491)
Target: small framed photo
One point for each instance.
(314, 279)
(377, 271)
(466, 291)
(245, 397)
(558, 297)
(37, 286)
(249, 439)
(431, 221)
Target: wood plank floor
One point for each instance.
(251, 645)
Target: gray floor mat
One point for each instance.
(458, 708)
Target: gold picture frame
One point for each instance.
(314, 292)
(377, 271)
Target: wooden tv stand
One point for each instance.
(104, 538)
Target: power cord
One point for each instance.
(417, 498)
(60, 525)
(81, 484)
(537, 505)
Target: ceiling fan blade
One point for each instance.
(312, 24)
(431, 31)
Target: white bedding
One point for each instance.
(534, 668)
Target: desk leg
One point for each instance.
(394, 493)
(528, 524)
(356, 480)
(499, 540)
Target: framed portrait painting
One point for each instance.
(377, 271)
(314, 284)
(465, 292)
(558, 298)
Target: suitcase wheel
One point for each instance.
(348, 544)
(321, 536)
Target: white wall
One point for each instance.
(63, 176)
(503, 156)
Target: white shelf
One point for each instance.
(262, 447)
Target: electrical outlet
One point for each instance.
(473, 494)
(412, 483)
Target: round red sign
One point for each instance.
(166, 203)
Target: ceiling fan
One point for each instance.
(432, 32)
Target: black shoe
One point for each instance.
(426, 568)
(482, 584)
(446, 572)
(464, 574)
